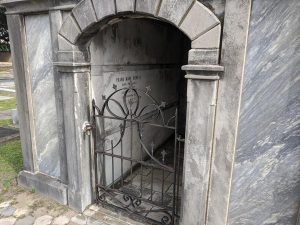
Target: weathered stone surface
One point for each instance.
(28, 220)
(61, 220)
(44, 184)
(7, 221)
(204, 56)
(234, 44)
(174, 10)
(198, 21)
(104, 8)
(89, 212)
(125, 5)
(38, 36)
(147, 6)
(16, 32)
(84, 14)
(7, 211)
(5, 204)
(79, 219)
(266, 178)
(70, 30)
(21, 213)
(198, 149)
(43, 220)
(210, 39)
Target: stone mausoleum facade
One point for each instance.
(171, 111)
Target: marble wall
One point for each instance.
(266, 177)
(44, 114)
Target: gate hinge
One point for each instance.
(87, 128)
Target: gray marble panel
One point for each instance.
(266, 181)
(39, 49)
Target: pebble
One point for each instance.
(5, 204)
(28, 220)
(7, 221)
(61, 220)
(7, 211)
(43, 220)
(21, 213)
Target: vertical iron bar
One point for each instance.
(141, 158)
(122, 164)
(112, 163)
(175, 168)
(178, 175)
(163, 186)
(131, 143)
(152, 183)
(94, 138)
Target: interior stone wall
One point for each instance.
(266, 178)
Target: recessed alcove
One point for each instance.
(140, 91)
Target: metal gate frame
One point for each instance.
(133, 115)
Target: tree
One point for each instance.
(4, 38)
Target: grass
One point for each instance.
(11, 163)
(6, 123)
(8, 104)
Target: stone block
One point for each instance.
(44, 184)
(84, 14)
(204, 56)
(210, 39)
(64, 44)
(147, 6)
(70, 29)
(174, 10)
(72, 56)
(104, 8)
(198, 21)
(125, 5)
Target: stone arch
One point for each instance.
(190, 16)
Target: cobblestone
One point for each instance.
(28, 208)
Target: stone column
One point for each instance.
(17, 43)
(203, 75)
(74, 79)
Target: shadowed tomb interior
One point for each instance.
(139, 94)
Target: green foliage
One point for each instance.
(6, 123)
(11, 163)
(8, 104)
(4, 37)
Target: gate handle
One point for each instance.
(87, 128)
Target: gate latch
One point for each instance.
(87, 128)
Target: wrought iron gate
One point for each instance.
(137, 170)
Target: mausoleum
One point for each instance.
(169, 111)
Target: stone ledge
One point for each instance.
(44, 184)
(201, 77)
(209, 68)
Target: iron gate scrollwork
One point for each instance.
(137, 170)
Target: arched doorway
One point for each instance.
(203, 29)
(139, 115)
